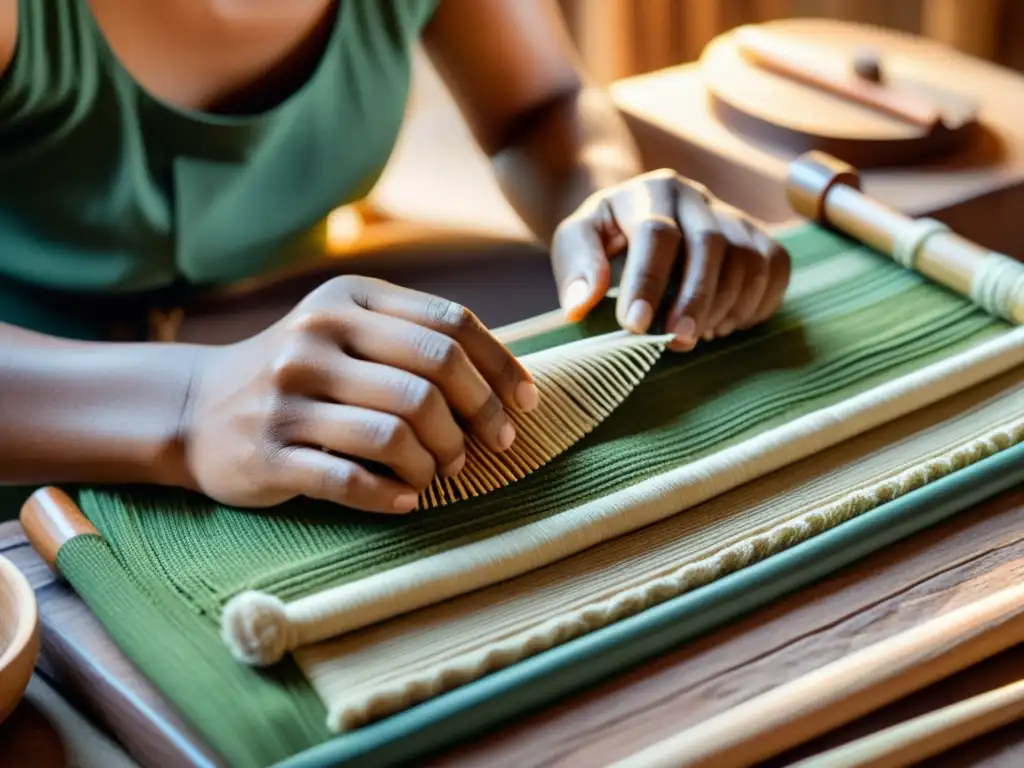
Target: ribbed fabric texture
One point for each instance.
(852, 320)
(251, 718)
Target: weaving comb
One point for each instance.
(580, 384)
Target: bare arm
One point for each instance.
(88, 412)
(553, 140)
(568, 165)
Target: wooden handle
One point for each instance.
(50, 519)
(846, 689)
(762, 50)
(910, 742)
(827, 190)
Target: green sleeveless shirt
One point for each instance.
(107, 191)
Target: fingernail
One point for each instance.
(709, 335)
(527, 396)
(681, 346)
(406, 502)
(576, 295)
(639, 316)
(685, 328)
(506, 435)
(727, 327)
(454, 467)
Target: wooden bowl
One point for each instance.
(19, 636)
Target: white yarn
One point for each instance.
(998, 284)
(908, 242)
(381, 596)
(256, 628)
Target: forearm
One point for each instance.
(86, 412)
(561, 154)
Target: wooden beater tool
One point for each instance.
(827, 190)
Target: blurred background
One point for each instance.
(620, 38)
(437, 176)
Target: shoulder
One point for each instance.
(8, 32)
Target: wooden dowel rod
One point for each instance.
(826, 190)
(50, 519)
(930, 734)
(846, 689)
(761, 49)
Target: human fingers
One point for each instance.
(363, 434)
(778, 270)
(647, 217)
(581, 249)
(705, 248)
(488, 356)
(317, 474)
(413, 399)
(439, 359)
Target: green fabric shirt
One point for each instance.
(107, 191)
(111, 199)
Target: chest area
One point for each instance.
(217, 56)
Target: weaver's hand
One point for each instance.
(374, 373)
(732, 276)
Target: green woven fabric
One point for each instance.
(851, 321)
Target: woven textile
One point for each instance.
(853, 322)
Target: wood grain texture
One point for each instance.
(50, 518)
(977, 190)
(19, 635)
(91, 672)
(47, 732)
(839, 692)
(927, 735)
(972, 555)
(969, 556)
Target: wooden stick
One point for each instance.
(762, 50)
(928, 735)
(846, 689)
(51, 519)
(826, 190)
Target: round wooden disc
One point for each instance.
(799, 117)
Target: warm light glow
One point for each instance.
(344, 227)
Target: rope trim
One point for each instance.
(381, 703)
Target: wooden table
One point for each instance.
(971, 555)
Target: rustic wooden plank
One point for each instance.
(94, 675)
(971, 555)
(935, 571)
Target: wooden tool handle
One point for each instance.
(775, 56)
(846, 689)
(827, 190)
(912, 741)
(50, 519)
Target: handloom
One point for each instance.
(870, 371)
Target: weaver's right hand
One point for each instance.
(376, 374)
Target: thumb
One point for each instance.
(581, 268)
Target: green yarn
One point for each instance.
(169, 561)
(839, 337)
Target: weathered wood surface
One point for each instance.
(974, 554)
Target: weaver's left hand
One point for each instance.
(732, 276)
